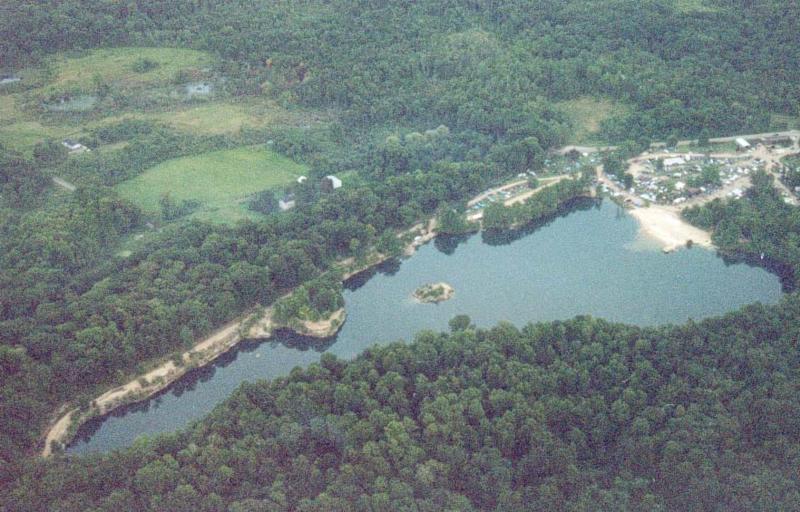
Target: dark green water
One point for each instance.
(587, 262)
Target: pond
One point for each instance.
(198, 89)
(81, 103)
(590, 261)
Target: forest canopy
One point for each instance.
(421, 105)
(578, 415)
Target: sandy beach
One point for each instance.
(666, 227)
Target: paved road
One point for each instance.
(795, 134)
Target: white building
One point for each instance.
(74, 147)
(678, 160)
(742, 144)
(334, 182)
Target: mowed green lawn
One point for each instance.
(221, 181)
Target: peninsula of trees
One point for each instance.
(418, 106)
(576, 415)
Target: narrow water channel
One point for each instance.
(589, 261)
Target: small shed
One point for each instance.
(74, 146)
(9, 79)
(742, 144)
(678, 160)
(287, 202)
(330, 183)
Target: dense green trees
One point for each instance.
(429, 102)
(480, 66)
(577, 415)
(542, 204)
(451, 221)
(264, 202)
(760, 226)
(85, 318)
(21, 182)
(313, 300)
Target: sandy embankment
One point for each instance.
(666, 227)
(258, 325)
(148, 384)
(322, 329)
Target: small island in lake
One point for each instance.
(434, 293)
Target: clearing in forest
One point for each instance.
(218, 181)
(694, 6)
(35, 114)
(587, 114)
(117, 66)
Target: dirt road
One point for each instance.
(64, 184)
(543, 183)
(152, 382)
(205, 351)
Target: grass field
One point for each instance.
(693, 6)
(783, 122)
(586, 115)
(220, 181)
(22, 132)
(226, 117)
(21, 129)
(115, 66)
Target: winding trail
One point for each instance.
(256, 323)
(64, 184)
(663, 223)
(152, 382)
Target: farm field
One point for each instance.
(21, 132)
(220, 181)
(225, 117)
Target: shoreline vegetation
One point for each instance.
(262, 325)
(433, 293)
(254, 325)
(262, 322)
(258, 323)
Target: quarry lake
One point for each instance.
(590, 261)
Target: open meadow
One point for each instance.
(587, 115)
(117, 67)
(220, 181)
(24, 121)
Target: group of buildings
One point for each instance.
(682, 177)
(327, 184)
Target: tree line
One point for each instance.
(572, 415)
